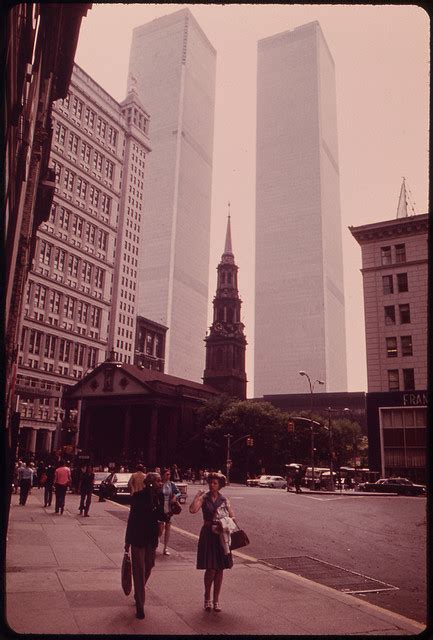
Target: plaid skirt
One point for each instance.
(210, 553)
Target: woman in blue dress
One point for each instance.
(210, 553)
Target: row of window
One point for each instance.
(83, 150)
(388, 283)
(74, 265)
(399, 251)
(394, 380)
(59, 348)
(404, 314)
(74, 105)
(69, 221)
(134, 115)
(89, 193)
(84, 311)
(406, 346)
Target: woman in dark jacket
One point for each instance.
(147, 511)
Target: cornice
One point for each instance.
(398, 227)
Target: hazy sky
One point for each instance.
(382, 61)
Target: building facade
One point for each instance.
(174, 65)
(226, 342)
(150, 344)
(299, 295)
(81, 291)
(395, 281)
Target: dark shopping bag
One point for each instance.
(238, 539)
(175, 508)
(126, 574)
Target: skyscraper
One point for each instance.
(299, 300)
(81, 291)
(174, 65)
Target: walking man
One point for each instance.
(25, 478)
(48, 486)
(62, 480)
(86, 489)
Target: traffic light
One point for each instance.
(290, 426)
(250, 442)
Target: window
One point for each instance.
(391, 347)
(89, 117)
(81, 188)
(99, 277)
(65, 101)
(404, 313)
(73, 266)
(91, 357)
(109, 169)
(77, 107)
(60, 133)
(408, 379)
(77, 226)
(59, 260)
(385, 253)
(54, 302)
(95, 317)
(73, 143)
(402, 284)
(112, 136)
(387, 284)
(83, 311)
(94, 196)
(106, 203)
(64, 218)
(64, 350)
(406, 345)
(40, 293)
(45, 252)
(102, 240)
(68, 179)
(50, 346)
(52, 216)
(87, 272)
(393, 381)
(97, 161)
(68, 307)
(390, 315)
(400, 253)
(85, 152)
(35, 342)
(90, 233)
(78, 354)
(100, 127)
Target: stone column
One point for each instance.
(48, 440)
(151, 453)
(32, 441)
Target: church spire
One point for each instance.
(402, 201)
(228, 245)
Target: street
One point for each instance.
(383, 538)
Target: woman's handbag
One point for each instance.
(126, 574)
(238, 539)
(175, 508)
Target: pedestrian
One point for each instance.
(34, 476)
(48, 486)
(147, 511)
(211, 554)
(62, 480)
(136, 481)
(39, 473)
(175, 474)
(171, 494)
(15, 481)
(297, 481)
(25, 477)
(86, 489)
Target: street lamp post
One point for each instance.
(311, 385)
(331, 445)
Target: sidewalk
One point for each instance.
(63, 576)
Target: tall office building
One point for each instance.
(174, 65)
(299, 307)
(81, 291)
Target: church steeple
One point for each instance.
(226, 342)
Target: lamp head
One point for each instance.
(302, 373)
(320, 381)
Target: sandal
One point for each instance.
(208, 605)
(216, 606)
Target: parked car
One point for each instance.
(100, 476)
(272, 481)
(116, 485)
(253, 482)
(402, 486)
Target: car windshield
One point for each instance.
(122, 477)
(101, 475)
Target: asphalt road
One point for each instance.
(383, 538)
